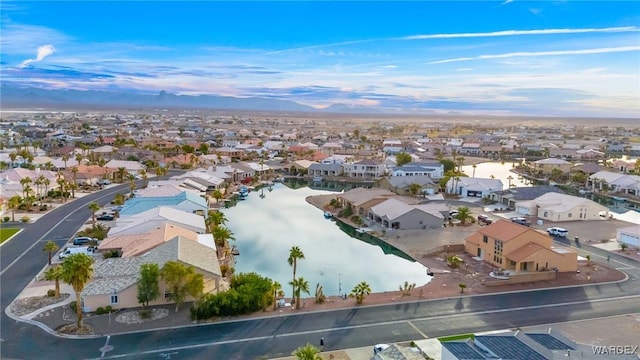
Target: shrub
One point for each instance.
(144, 314)
(73, 305)
(25, 219)
(100, 310)
(108, 309)
(6, 219)
(43, 208)
(51, 293)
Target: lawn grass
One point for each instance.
(6, 233)
(456, 337)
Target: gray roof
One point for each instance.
(530, 193)
(327, 167)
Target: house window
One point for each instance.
(485, 239)
(497, 251)
(167, 295)
(546, 214)
(569, 215)
(114, 299)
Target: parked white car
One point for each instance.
(558, 231)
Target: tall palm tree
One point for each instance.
(65, 158)
(360, 291)
(13, 204)
(300, 285)
(25, 182)
(294, 254)
(54, 274)
(94, 207)
(276, 287)
(77, 270)
(307, 352)
(50, 247)
(46, 182)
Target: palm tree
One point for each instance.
(474, 166)
(463, 214)
(65, 158)
(307, 352)
(13, 204)
(294, 254)
(54, 274)
(462, 286)
(217, 194)
(74, 170)
(221, 235)
(93, 207)
(300, 285)
(414, 188)
(276, 287)
(25, 181)
(77, 270)
(360, 291)
(214, 219)
(50, 247)
(121, 172)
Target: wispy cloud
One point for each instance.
(524, 32)
(540, 53)
(506, 2)
(43, 52)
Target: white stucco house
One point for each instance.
(561, 207)
(473, 187)
(629, 235)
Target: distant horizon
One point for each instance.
(498, 58)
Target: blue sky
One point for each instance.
(556, 58)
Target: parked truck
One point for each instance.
(74, 250)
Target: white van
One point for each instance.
(558, 231)
(72, 251)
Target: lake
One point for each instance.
(266, 228)
(499, 171)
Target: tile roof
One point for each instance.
(360, 196)
(116, 274)
(524, 251)
(503, 230)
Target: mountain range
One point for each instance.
(15, 96)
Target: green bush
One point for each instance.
(100, 310)
(25, 219)
(73, 305)
(51, 293)
(144, 314)
(108, 309)
(6, 219)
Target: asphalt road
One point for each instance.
(22, 258)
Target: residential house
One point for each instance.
(362, 199)
(510, 197)
(546, 166)
(401, 184)
(514, 247)
(517, 344)
(473, 186)
(629, 235)
(132, 167)
(156, 217)
(432, 170)
(554, 206)
(186, 201)
(472, 149)
(364, 169)
(11, 186)
(615, 182)
(396, 214)
(114, 281)
(325, 170)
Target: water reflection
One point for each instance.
(499, 171)
(266, 228)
